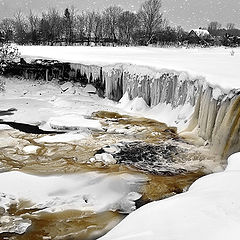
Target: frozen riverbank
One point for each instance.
(209, 210)
(214, 64)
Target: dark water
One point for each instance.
(27, 128)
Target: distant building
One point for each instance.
(199, 36)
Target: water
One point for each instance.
(147, 147)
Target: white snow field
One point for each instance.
(209, 210)
(217, 65)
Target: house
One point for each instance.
(199, 36)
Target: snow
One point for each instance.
(201, 32)
(73, 122)
(208, 210)
(82, 191)
(215, 64)
(11, 224)
(137, 105)
(163, 112)
(90, 89)
(61, 138)
(105, 158)
(45, 105)
(31, 149)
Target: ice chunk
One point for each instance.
(90, 89)
(31, 149)
(73, 122)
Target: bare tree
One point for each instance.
(127, 24)
(214, 26)
(80, 26)
(230, 26)
(7, 29)
(98, 26)
(111, 19)
(150, 18)
(20, 27)
(89, 22)
(33, 22)
(55, 25)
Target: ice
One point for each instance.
(82, 191)
(90, 89)
(73, 122)
(105, 158)
(138, 104)
(31, 149)
(11, 224)
(208, 210)
(61, 138)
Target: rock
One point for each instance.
(2, 211)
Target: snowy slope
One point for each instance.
(210, 210)
(217, 65)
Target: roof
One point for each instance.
(201, 32)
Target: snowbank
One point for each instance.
(208, 210)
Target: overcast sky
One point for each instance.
(187, 13)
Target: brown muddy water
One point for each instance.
(148, 136)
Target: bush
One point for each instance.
(9, 53)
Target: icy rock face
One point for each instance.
(153, 86)
(218, 120)
(216, 114)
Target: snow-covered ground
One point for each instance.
(218, 65)
(209, 210)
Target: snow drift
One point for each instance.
(209, 210)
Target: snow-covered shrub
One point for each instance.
(9, 53)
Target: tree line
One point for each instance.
(112, 25)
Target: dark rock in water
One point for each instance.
(27, 128)
(154, 158)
